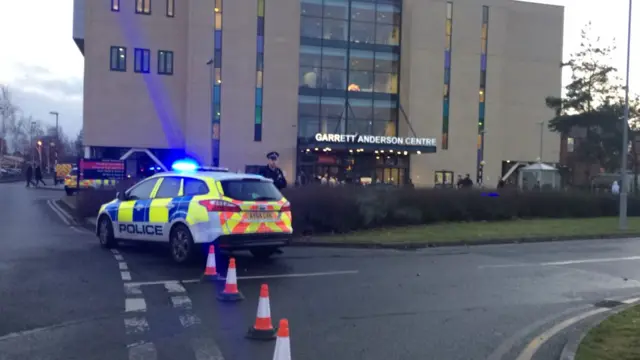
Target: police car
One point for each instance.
(192, 207)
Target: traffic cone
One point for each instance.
(263, 329)
(283, 346)
(210, 271)
(231, 292)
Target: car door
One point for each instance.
(133, 212)
(165, 199)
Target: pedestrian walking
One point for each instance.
(29, 175)
(39, 176)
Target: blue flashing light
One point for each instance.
(185, 166)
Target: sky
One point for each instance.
(44, 68)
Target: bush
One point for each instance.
(89, 200)
(322, 209)
(337, 210)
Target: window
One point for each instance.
(257, 122)
(250, 190)
(142, 191)
(165, 62)
(216, 64)
(447, 76)
(484, 32)
(570, 144)
(193, 187)
(143, 7)
(118, 58)
(141, 60)
(171, 8)
(115, 5)
(169, 187)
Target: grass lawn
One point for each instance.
(614, 339)
(476, 231)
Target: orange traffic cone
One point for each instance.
(283, 346)
(231, 292)
(210, 271)
(263, 329)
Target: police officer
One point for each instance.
(273, 172)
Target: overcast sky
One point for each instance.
(44, 68)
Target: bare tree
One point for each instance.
(8, 111)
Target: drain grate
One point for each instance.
(608, 304)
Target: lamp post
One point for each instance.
(625, 135)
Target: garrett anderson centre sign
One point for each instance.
(385, 141)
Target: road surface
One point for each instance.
(63, 297)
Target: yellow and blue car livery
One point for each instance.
(234, 211)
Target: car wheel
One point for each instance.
(263, 254)
(105, 233)
(181, 243)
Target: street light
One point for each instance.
(625, 135)
(56, 114)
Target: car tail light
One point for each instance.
(286, 207)
(219, 205)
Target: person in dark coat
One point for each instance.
(29, 174)
(39, 176)
(273, 172)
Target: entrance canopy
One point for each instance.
(369, 143)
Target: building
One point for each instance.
(389, 90)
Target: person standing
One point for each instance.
(273, 172)
(29, 175)
(39, 176)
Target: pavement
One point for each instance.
(64, 297)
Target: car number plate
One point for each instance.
(261, 216)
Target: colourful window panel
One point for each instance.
(257, 123)
(484, 35)
(216, 101)
(447, 76)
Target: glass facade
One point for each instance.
(447, 76)
(216, 79)
(482, 92)
(349, 66)
(257, 131)
(348, 84)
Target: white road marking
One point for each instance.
(118, 257)
(126, 276)
(61, 213)
(135, 304)
(562, 263)
(174, 287)
(132, 290)
(181, 302)
(188, 320)
(326, 273)
(123, 265)
(80, 231)
(204, 349)
(535, 344)
(631, 301)
(115, 252)
(136, 325)
(142, 351)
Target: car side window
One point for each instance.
(142, 191)
(194, 187)
(169, 187)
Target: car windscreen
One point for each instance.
(249, 189)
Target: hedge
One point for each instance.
(322, 209)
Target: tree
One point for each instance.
(592, 104)
(79, 143)
(8, 112)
